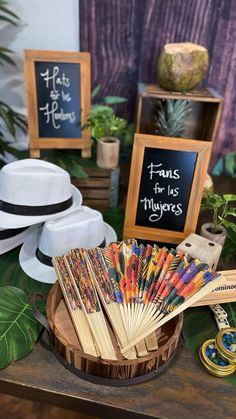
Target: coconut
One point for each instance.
(182, 66)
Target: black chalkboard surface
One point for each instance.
(166, 181)
(58, 99)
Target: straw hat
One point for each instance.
(11, 238)
(33, 191)
(82, 228)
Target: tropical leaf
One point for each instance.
(199, 325)
(11, 274)
(115, 217)
(12, 119)
(8, 12)
(4, 56)
(229, 250)
(77, 171)
(95, 91)
(113, 100)
(101, 109)
(18, 327)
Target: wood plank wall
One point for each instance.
(125, 38)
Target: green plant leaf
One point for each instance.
(18, 327)
(11, 274)
(12, 119)
(199, 325)
(230, 163)
(95, 91)
(77, 171)
(115, 217)
(114, 100)
(7, 11)
(7, 19)
(229, 198)
(100, 109)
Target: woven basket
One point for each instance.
(121, 372)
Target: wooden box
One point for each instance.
(101, 189)
(201, 123)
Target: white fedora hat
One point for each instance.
(82, 228)
(11, 238)
(33, 191)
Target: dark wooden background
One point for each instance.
(125, 38)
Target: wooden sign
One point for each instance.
(165, 187)
(58, 89)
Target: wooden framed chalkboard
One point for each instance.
(165, 187)
(58, 90)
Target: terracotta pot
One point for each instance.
(108, 150)
(215, 237)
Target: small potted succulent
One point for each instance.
(222, 211)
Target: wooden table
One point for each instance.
(183, 390)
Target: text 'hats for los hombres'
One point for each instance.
(33, 191)
(83, 228)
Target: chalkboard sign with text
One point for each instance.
(165, 187)
(58, 97)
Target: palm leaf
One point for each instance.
(12, 119)
(8, 15)
(4, 56)
(18, 327)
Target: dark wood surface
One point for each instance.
(182, 390)
(125, 39)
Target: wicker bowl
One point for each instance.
(121, 372)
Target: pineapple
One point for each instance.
(170, 117)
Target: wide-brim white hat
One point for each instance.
(9, 239)
(17, 221)
(33, 191)
(34, 262)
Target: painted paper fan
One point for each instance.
(141, 287)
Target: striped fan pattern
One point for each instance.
(138, 287)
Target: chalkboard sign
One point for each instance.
(165, 188)
(58, 96)
(166, 182)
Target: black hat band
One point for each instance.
(29, 210)
(47, 260)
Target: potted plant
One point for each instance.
(222, 211)
(105, 129)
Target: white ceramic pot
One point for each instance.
(206, 231)
(108, 150)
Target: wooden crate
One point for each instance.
(101, 189)
(201, 123)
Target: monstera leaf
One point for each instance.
(12, 274)
(18, 327)
(199, 325)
